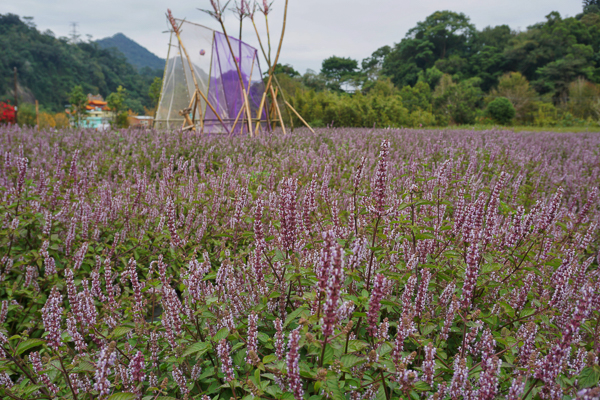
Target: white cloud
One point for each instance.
(316, 29)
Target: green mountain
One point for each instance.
(49, 68)
(137, 55)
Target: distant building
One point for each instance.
(99, 115)
(141, 121)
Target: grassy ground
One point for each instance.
(558, 129)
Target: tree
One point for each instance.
(584, 98)
(498, 37)
(449, 32)
(338, 70)
(338, 67)
(488, 61)
(286, 69)
(431, 76)
(381, 87)
(417, 97)
(556, 76)
(154, 91)
(443, 34)
(314, 81)
(78, 101)
(553, 53)
(457, 102)
(371, 66)
(591, 6)
(116, 102)
(501, 110)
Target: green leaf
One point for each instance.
(196, 347)
(84, 366)
(428, 329)
(422, 386)
(350, 360)
(589, 377)
(269, 358)
(328, 356)
(293, 316)
(122, 396)
(356, 345)
(31, 388)
(279, 256)
(222, 334)
(263, 337)
(120, 331)
(334, 387)
(28, 344)
(238, 346)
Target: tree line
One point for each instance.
(445, 71)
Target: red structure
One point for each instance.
(7, 114)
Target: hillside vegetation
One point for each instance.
(50, 67)
(136, 55)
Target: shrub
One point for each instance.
(62, 120)
(420, 118)
(26, 114)
(583, 101)
(501, 110)
(7, 113)
(47, 120)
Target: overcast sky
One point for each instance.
(316, 29)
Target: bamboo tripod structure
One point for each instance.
(194, 110)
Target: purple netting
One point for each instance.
(225, 91)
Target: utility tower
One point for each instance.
(74, 33)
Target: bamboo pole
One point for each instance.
(176, 29)
(16, 97)
(273, 111)
(260, 42)
(262, 102)
(272, 66)
(242, 109)
(275, 65)
(299, 116)
(186, 116)
(162, 84)
(278, 111)
(284, 99)
(201, 114)
(240, 112)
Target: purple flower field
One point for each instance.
(346, 264)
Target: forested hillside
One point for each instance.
(445, 71)
(137, 55)
(50, 67)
